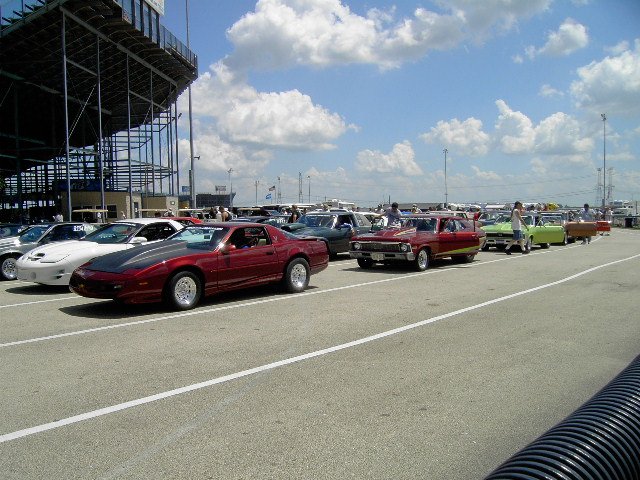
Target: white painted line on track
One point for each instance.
(271, 366)
(259, 302)
(70, 297)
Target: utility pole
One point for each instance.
(279, 192)
(257, 182)
(446, 191)
(309, 178)
(300, 197)
(604, 157)
(599, 193)
(230, 171)
(192, 176)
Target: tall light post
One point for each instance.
(230, 171)
(279, 192)
(192, 184)
(257, 182)
(604, 157)
(309, 179)
(446, 191)
(192, 177)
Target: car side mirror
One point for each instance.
(138, 240)
(227, 248)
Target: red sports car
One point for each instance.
(202, 260)
(420, 239)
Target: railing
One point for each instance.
(15, 11)
(161, 36)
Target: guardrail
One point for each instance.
(600, 440)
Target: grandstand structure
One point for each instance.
(88, 92)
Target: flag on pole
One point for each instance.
(268, 196)
(272, 189)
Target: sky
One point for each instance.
(360, 99)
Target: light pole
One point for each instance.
(309, 178)
(446, 191)
(192, 177)
(604, 157)
(279, 192)
(192, 185)
(257, 182)
(230, 171)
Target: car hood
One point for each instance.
(74, 250)
(142, 256)
(389, 235)
(8, 242)
(323, 232)
(497, 228)
(292, 227)
(18, 248)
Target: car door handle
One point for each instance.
(269, 253)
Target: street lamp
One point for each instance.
(192, 176)
(604, 157)
(192, 185)
(257, 182)
(309, 178)
(446, 191)
(279, 191)
(230, 171)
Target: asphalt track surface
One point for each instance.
(378, 374)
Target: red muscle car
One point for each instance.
(420, 239)
(202, 260)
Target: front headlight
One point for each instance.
(55, 258)
(405, 247)
(357, 246)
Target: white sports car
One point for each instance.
(54, 264)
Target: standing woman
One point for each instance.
(517, 224)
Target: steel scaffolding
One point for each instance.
(88, 92)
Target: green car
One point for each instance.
(539, 232)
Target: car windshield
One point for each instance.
(504, 218)
(10, 230)
(113, 233)
(489, 215)
(201, 237)
(421, 224)
(555, 219)
(318, 220)
(32, 234)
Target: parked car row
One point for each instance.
(160, 259)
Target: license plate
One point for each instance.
(377, 256)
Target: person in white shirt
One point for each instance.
(586, 215)
(517, 224)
